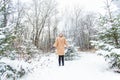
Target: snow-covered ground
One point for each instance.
(90, 66)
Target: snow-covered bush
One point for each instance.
(114, 60)
(6, 40)
(111, 54)
(102, 45)
(10, 71)
(25, 51)
(110, 30)
(31, 49)
(13, 69)
(109, 40)
(71, 54)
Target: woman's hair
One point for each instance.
(61, 34)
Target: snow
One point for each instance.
(90, 66)
(2, 36)
(16, 64)
(117, 51)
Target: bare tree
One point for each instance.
(39, 17)
(81, 27)
(108, 8)
(16, 20)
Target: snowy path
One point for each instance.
(89, 67)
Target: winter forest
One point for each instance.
(28, 30)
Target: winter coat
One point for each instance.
(60, 44)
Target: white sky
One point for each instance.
(92, 5)
(89, 5)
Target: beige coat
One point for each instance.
(60, 44)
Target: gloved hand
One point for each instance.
(67, 47)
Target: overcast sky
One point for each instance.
(89, 5)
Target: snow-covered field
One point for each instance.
(90, 66)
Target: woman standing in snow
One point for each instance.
(60, 44)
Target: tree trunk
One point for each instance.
(49, 37)
(116, 39)
(109, 10)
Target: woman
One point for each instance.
(60, 44)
